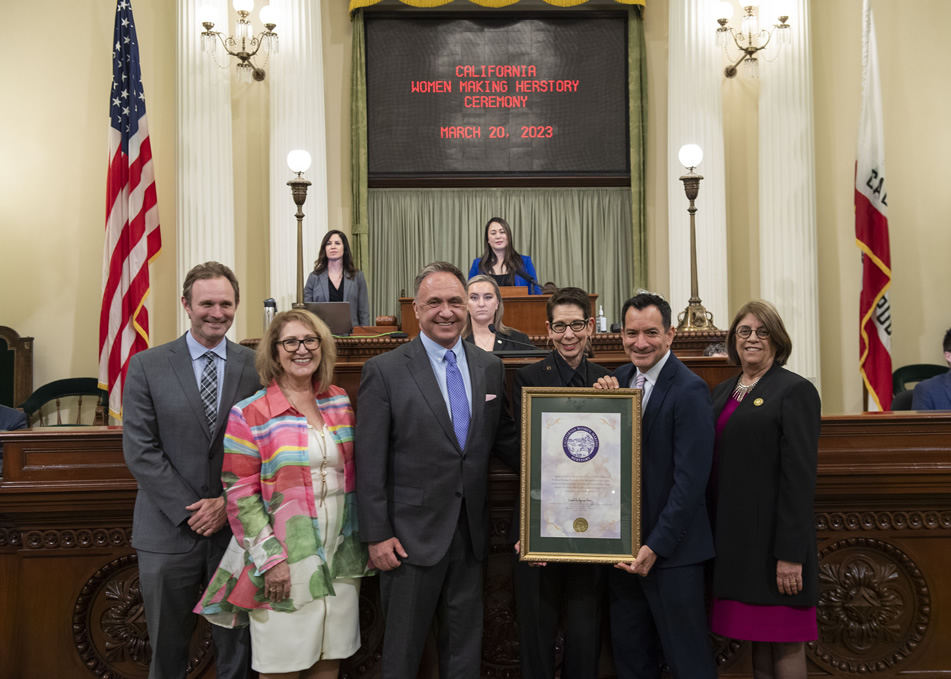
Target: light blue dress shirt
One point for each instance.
(437, 358)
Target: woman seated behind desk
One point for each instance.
(293, 565)
(336, 279)
(486, 309)
(502, 262)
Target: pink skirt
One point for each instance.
(753, 622)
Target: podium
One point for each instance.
(524, 312)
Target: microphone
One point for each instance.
(532, 283)
(513, 341)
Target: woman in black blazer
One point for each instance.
(765, 582)
(484, 326)
(336, 279)
(542, 591)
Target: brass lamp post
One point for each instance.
(299, 162)
(695, 317)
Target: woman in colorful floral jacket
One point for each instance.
(291, 570)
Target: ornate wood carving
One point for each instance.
(874, 610)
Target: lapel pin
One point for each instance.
(758, 402)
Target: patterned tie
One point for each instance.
(458, 402)
(639, 384)
(209, 389)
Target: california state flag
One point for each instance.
(871, 231)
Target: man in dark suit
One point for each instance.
(657, 600)
(935, 392)
(430, 413)
(11, 419)
(175, 408)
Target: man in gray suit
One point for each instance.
(430, 413)
(175, 408)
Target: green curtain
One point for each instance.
(575, 236)
(359, 242)
(637, 117)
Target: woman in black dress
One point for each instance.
(541, 592)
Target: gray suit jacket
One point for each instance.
(412, 476)
(167, 445)
(354, 291)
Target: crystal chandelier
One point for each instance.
(242, 45)
(750, 39)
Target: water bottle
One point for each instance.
(602, 321)
(270, 308)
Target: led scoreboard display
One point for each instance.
(508, 97)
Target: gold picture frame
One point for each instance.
(580, 498)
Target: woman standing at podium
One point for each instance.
(500, 260)
(484, 326)
(336, 279)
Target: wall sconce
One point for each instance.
(750, 39)
(695, 317)
(243, 45)
(299, 162)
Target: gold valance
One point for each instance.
(488, 4)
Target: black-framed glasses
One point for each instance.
(559, 327)
(292, 344)
(744, 331)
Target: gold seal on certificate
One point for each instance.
(580, 525)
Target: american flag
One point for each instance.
(133, 237)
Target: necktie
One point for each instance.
(639, 384)
(209, 389)
(458, 401)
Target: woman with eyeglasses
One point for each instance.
(765, 581)
(484, 325)
(292, 568)
(541, 591)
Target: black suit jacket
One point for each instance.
(503, 341)
(676, 455)
(412, 476)
(766, 485)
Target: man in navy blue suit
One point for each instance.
(935, 392)
(11, 419)
(657, 600)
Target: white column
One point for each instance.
(205, 229)
(695, 116)
(297, 122)
(787, 194)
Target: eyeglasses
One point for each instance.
(559, 327)
(744, 331)
(293, 344)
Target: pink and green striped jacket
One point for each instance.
(271, 507)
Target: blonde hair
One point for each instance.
(500, 327)
(269, 366)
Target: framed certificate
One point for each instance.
(581, 475)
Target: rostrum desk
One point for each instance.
(70, 606)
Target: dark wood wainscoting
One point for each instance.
(70, 605)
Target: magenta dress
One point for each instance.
(755, 622)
